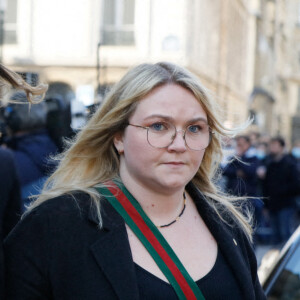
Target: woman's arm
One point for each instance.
(26, 251)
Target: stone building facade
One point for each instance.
(243, 51)
(275, 97)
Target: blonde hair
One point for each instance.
(92, 158)
(33, 94)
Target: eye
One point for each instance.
(197, 128)
(159, 126)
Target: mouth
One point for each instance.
(175, 163)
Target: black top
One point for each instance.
(58, 251)
(218, 283)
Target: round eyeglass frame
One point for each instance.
(211, 132)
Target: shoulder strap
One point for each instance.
(134, 216)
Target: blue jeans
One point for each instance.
(282, 223)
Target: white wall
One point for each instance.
(160, 34)
(56, 32)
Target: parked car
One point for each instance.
(281, 278)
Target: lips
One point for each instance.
(175, 163)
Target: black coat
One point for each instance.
(281, 183)
(32, 153)
(10, 201)
(58, 252)
(246, 185)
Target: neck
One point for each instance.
(161, 208)
(278, 156)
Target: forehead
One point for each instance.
(274, 144)
(172, 100)
(241, 141)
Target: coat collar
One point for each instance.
(113, 255)
(228, 242)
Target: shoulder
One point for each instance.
(289, 160)
(210, 209)
(7, 164)
(216, 214)
(6, 155)
(252, 159)
(53, 214)
(64, 203)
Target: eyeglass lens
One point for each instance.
(197, 136)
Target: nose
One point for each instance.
(178, 143)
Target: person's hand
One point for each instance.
(261, 172)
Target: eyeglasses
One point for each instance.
(162, 134)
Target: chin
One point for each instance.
(175, 183)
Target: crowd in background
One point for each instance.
(266, 171)
(31, 135)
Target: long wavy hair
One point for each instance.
(92, 159)
(9, 78)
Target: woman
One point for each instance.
(148, 156)
(10, 204)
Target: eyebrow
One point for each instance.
(168, 118)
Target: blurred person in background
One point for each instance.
(295, 153)
(241, 169)
(264, 232)
(30, 144)
(10, 197)
(261, 151)
(240, 174)
(228, 148)
(280, 187)
(254, 137)
(59, 119)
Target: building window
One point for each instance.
(10, 22)
(118, 22)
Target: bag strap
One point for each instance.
(157, 246)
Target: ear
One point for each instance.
(118, 142)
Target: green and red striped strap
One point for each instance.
(134, 216)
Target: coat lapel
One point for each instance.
(228, 243)
(113, 255)
(233, 254)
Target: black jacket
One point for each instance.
(246, 185)
(10, 202)
(58, 252)
(281, 183)
(32, 153)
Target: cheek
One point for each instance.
(134, 145)
(197, 159)
(137, 151)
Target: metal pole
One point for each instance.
(2, 14)
(98, 70)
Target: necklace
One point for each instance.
(181, 213)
